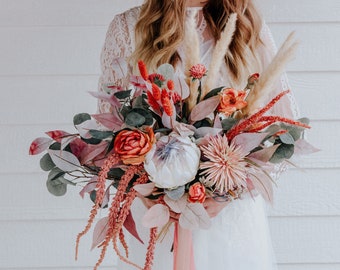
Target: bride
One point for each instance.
(239, 237)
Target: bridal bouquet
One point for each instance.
(172, 140)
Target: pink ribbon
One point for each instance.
(183, 249)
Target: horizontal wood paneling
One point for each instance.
(55, 99)
(299, 193)
(59, 51)
(90, 12)
(27, 13)
(299, 11)
(309, 266)
(306, 239)
(42, 100)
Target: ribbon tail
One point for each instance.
(183, 249)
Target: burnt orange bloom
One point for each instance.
(152, 101)
(170, 85)
(133, 145)
(231, 101)
(156, 92)
(166, 103)
(142, 70)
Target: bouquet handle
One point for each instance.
(183, 249)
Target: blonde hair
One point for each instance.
(160, 30)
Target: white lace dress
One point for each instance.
(239, 237)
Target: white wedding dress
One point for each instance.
(239, 237)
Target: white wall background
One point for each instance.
(49, 59)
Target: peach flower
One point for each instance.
(197, 193)
(133, 145)
(231, 101)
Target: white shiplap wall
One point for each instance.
(49, 59)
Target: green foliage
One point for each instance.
(122, 94)
(213, 92)
(228, 123)
(80, 118)
(284, 151)
(138, 117)
(46, 163)
(100, 135)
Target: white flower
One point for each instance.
(173, 161)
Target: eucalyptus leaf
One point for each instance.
(46, 163)
(55, 173)
(100, 135)
(55, 146)
(134, 119)
(80, 118)
(175, 194)
(228, 123)
(123, 94)
(56, 187)
(92, 140)
(284, 151)
(115, 173)
(304, 120)
(287, 138)
(138, 117)
(213, 92)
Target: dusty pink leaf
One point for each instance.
(130, 226)
(157, 216)
(140, 84)
(204, 108)
(217, 122)
(265, 154)
(302, 147)
(77, 146)
(99, 232)
(181, 87)
(176, 206)
(144, 189)
(64, 160)
(39, 145)
(57, 135)
(91, 151)
(110, 98)
(203, 131)
(106, 198)
(109, 120)
(194, 216)
(263, 184)
(249, 141)
(89, 187)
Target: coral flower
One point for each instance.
(173, 161)
(231, 101)
(225, 168)
(198, 71)
(197, 193)
(133, 145)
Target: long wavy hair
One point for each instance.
(160, 30)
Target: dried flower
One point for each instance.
(197, 71)
(156, 92)
(231, 101)
(166, 103)
(225, 168)
(173, 161)
(133, 145)
(170, 84)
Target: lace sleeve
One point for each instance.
(287, 106)
(118, 44)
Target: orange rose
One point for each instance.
(133, 145)
(197, 193)
(231, 100)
